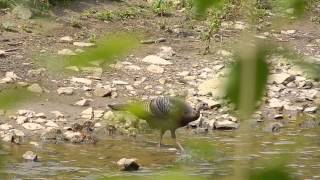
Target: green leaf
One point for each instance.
(13, 96)
(254, 64)
(274, 173)
(201, 6)
(298, 6)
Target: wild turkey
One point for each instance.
(164, 113)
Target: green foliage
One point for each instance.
(10, 97)
(274, 173)
(256, 60)
(298, 6)
(105, 15)
(161, 7)
(201, 149)
(201, 6)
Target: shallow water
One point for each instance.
(66, 161)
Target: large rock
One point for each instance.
(87, 114)
(166, 52)
(128, 164)
(282, 78)
(102, 91)
(153, 59)
(5, 126)
(53, 136)
(277, 103)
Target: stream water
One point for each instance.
(210, 155)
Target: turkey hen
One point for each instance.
(164, 113)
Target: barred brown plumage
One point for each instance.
(164, 113)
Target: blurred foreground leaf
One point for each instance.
(106, 50)
(294, 7)
(201, 6)
(248, 77)
(201, 149)
(274, 173)
(10, 97)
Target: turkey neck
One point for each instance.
(196, 112)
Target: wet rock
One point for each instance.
(26, 113)
(10, 77)
(83, 44)
(225, 125)
(288, 32)
(87, 114)
(70, 134)
(128, 164)
(32, 126)
(153, 59)
(155, 69)
(240, 25)
(66, 52)
(14, 136)
(278, 116)
(66, 39)
(53, 136)
(35, 88)
(85, 81)
(65, 90)
(39, 120)
(29, 155)
(5, 126)
(201, 130)
(212, 104)
(83, 102)
(311, 109)
(2, 54)
(273, 127)
(309, 124)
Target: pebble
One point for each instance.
(83, 102)
(85, 81)
(66, 39)
(83, 44)
(32, 126)
(87, 114)
(225, 124)
(102, 91)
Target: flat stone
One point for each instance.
(5, 126)
(128, 164)
(108, 115)
(118, 82)
(66, 52)
(51, 124)
(66, 39)
(155, 69)
(83, 102)
(21, 119)
(57, 114)
(282, 78)
(277, 103)
(35, 88)
(225, 124)
(132, 67)
(65, 90)
(85, 81)
(2, 53)
(311, 109)
(87, 114)
(32, 126)
(153, 59)
(83, 44)
(29, 155)
(184, 73)
(97, 114)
